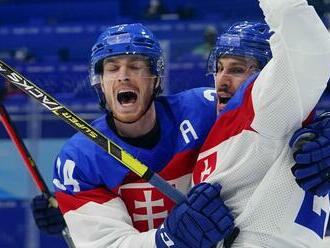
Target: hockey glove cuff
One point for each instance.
(202, 221)
(312, 156)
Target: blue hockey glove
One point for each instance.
(312, 156)
(200, 222)
(48, 219)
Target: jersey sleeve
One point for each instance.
(290, 85)
(96, 216)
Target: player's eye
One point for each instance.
(236, 70)
(138, 65)
(111, 68)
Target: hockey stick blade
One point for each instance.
(80, 125)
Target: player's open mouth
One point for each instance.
(126, 97)
(223, 99)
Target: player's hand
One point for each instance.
(312, 156)
(48, 219)
(200, 222)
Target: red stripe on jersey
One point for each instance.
(69, 202)
(232, 122)
(180, 165)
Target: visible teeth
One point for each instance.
(125, 91)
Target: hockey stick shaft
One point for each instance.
(26, 156)
(30, 165)
(80, 125)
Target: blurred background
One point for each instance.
(49, 41)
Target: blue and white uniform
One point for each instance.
(103, 203)
(247, 149)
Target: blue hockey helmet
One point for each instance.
(243, 39)
(126, 39)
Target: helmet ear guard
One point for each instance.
(243, 39)
(158, 89)
(101, 96)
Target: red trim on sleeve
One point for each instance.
(69, 202)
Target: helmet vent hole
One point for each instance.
(97, 47)
(117, 33)
(144, 42)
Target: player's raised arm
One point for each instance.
(247, 148)
(290, 85)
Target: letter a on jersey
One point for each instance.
(186, 128)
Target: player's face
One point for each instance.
(128, 86)
(231, 73)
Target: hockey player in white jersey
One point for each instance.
(247, 149)
(130, 231)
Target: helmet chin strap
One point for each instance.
(152, 98)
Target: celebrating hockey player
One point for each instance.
(103, 203)
(135, 219)
(247, 149)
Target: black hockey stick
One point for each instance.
(108, 145)
(30, 165)
(80, 125)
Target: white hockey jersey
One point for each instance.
(247, 149)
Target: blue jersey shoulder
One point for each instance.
(86, 159)
(184, 121)
(197, 98)
(194, 112)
